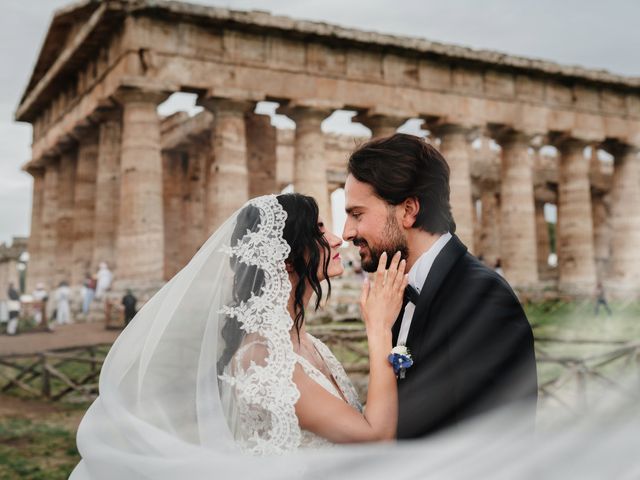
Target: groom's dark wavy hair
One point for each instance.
(307, 243)
(402, 166)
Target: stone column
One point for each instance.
(84, 205)
(227, 176)
(490, 227)
(107, 190)
(574, 236)
(310, 162)
(34, 273)
(380, 125)
(456, 149)
(65, 222)
(517, 213)
(625, 209)
(195, 206)
(140, 244)
(544, 243)
(48, 238)
(173, 173)
(261, 154)
(601, 233)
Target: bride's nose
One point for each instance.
(334, 240)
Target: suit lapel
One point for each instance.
(444, 262)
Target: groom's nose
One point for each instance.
(348, 233)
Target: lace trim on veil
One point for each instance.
(265, 393)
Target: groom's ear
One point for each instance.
(411, 208)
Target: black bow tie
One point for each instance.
(411, 295)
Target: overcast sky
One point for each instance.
(591, 33)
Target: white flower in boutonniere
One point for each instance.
(400, 359)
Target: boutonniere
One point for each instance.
(400, 359)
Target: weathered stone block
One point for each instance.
(586, 97)
(499, 84)
(434, 75)
(284, 53)
(400, 70)
(558, 94)
(244, 47)
(528, 88)
(466, 80)
(326, 59)
(364, 65)
(612, 101)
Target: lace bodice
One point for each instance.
(310, 439)
(248, 422)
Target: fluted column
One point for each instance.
(195, 206)
(625, 192)
(574, 235)
(456, 149)
(173, 174)
(601, 233)
(84, 206)
(228, 176)
(543, 241)
(310, 162)
(107, 190)
(380, 125)
(65, 223)
(48, 238)
(34, 273)
(517, 211)
(490, 227)
(140, 244)
(261, 154)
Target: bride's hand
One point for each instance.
(381, 301)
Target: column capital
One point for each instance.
(305, 113)
(443, 129)
(618, 148)
(373, 120)
(504, 134)
(565, 142)
(226, 106)
(126, 95)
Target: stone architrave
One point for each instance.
(455, 147)
(48, 238)
(379, 124)
(140, 244)
(228, 175)
(310, 163)
(542, 236)
(261, 154)
(574, 236)
(65, 224)
(34, 272)
(84, 205)
(517, 211)
(625, 222)
(108, 190)
(490, 227)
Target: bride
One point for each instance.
(219, 360)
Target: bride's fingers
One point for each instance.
(365, 292)
(397, 283)
(380, 273)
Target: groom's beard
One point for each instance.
(392, 241)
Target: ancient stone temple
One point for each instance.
(115, 182)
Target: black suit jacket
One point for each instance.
(472, 347)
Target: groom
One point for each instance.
(470, 340)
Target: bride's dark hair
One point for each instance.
(307, 242)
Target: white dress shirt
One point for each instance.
(417, 276)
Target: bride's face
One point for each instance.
(335, 267)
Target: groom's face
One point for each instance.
(372, 224)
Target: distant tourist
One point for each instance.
(88, 292)
(40, 297)
(14, 309)
(63, 311)
(105, 277)
(601, 299)
(129, 302)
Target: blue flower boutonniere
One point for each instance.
(400, 359)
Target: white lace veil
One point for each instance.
(213, 345)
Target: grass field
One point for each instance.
(37, 438)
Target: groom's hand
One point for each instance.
(381, 301)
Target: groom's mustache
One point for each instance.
(360, 242)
